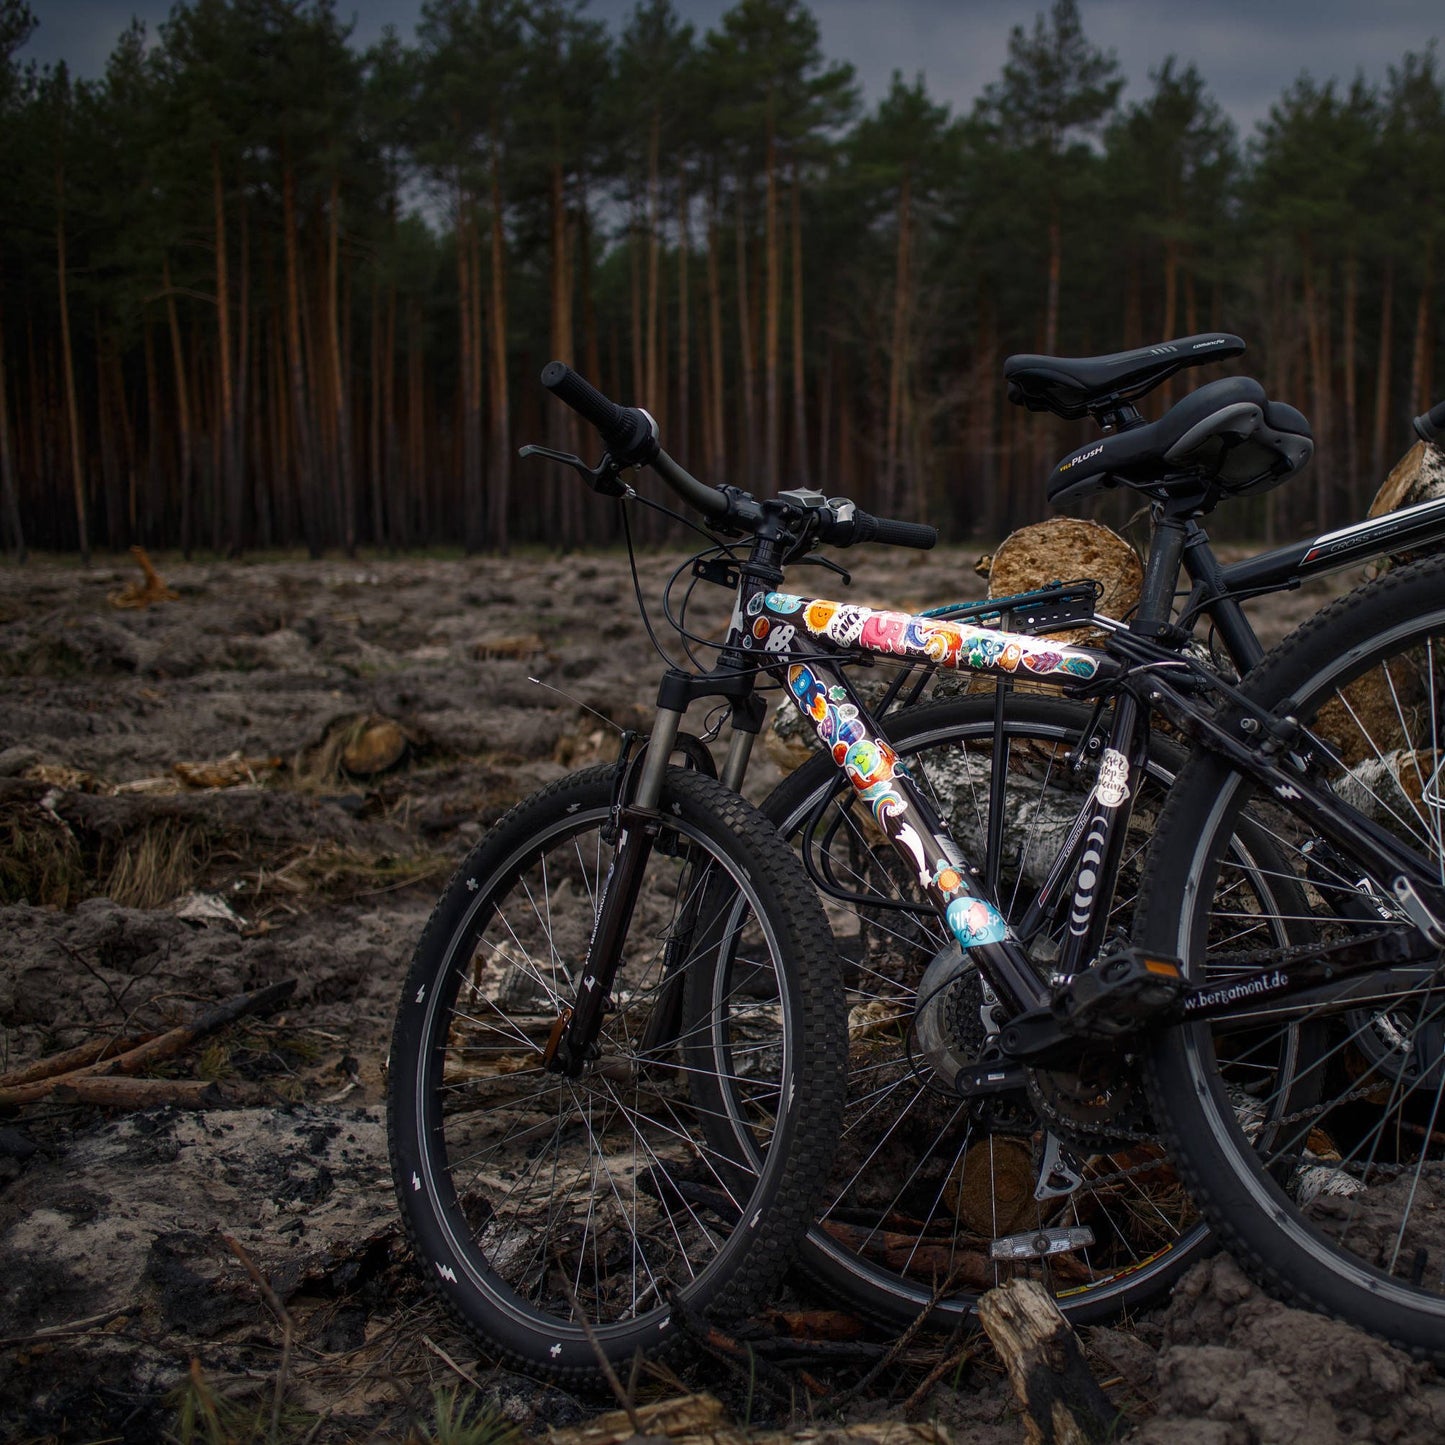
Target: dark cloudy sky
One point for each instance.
(1247, 50)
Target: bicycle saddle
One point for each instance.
(1227, 437)
(1075, 387)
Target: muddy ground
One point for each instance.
(147, 1250)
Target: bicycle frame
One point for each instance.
(807, 640)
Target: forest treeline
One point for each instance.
(260, 287)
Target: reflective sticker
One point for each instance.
(421, 993)
(447, 1273)
(472, 885)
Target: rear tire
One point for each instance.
(1333, 1204)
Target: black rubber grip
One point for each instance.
(626, 430)
(1430, 426)
(893, 533)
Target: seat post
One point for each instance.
(1161, 572)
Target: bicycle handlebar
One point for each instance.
(631, 437)
(863, 526)
(1430, 425)
(630, 434)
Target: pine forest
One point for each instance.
(262, 288)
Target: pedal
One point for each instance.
(1041, 1243)
(1118, 995)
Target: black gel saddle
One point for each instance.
(1080, 386)
(1226, 439)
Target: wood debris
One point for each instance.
(497, 648)
(229, 772)
(97, 1082)
(701, 1420)
(1061, 1400)
(151, 589)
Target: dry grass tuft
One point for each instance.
(41, 862)
(158, 864)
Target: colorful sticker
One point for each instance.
(975, 921)
(903, 634)
(1113, 785)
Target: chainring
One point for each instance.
(1097, 1106)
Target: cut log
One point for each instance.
(1419, 476)
(1062, 1402)
(1065, 549)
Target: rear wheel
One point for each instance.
(1322, 1169)
(544, 1208)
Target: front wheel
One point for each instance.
(1322, 1167)
(565, 1216)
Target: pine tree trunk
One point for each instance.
(801, 470)
(473, 517)
(345, 467)
(1056, 266)
(499, 473)
(72, 410)
(375, 429)
(183, 415)
(717, 421)
(305, 485)
(1382, 376)
(1352, 419)
(651, 399)
(239, 457)
(682, 423)
(745, 350)
(772, 320)
(1421, 379)
(898, 378)
(228, 483)
(153, 437)
(387, 479)
(1316, 329)
(1171, 307)
(9, 487)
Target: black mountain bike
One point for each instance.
(929, 1204)
(598, 1112)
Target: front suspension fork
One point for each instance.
(637, 821)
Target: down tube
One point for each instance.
(910, 822)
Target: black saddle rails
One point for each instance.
(1227, 438)
(1075, 387)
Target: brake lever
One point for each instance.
(604, 478)
(816, 559)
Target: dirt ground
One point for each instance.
(149, 1250)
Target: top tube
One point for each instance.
(778, 620)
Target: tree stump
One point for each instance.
(1062, 1403)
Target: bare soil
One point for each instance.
(132, 1241)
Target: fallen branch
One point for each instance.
(90, 1052)
(163, 1046)
(1061, 1400)
(111, 1093)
